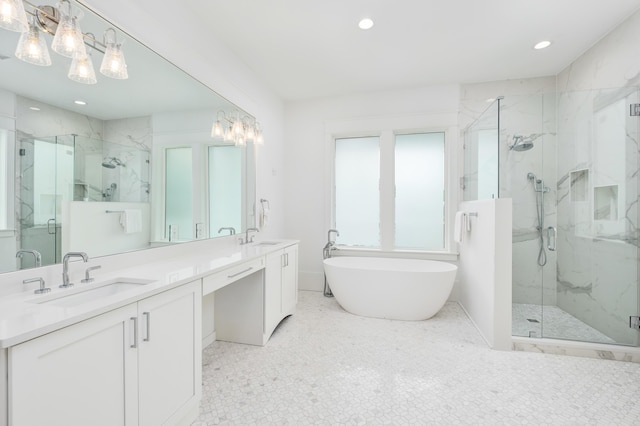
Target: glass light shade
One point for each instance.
(218, 130)
(68, 39)
(250, 134)
(82, 69)
(240, 141)
(113, 64)
(13, 16)
(228, 135)
(237, 128)
(259, 138)
(32, 48)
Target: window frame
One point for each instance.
(386, 129)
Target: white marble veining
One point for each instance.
(22, 318)
(324, 366)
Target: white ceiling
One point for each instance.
(313, 48)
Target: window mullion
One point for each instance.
(387, 190)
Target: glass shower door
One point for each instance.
(45, 185)
(597, 219)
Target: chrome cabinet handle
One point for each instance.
(551, 237)
(148, 323)
(239, 273)
(135, 332)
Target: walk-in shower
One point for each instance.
(569, 162)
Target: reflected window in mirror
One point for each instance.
(4, 179)
(178, 194)
(225, 188)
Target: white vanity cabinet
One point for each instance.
(136, 365)
(281, 286)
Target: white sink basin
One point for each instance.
(87, 293)
(267, 243)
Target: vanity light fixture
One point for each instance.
(236, 129)
(13, 16)
(68, 39)
(32, 47)
(113, 63)
(82, 69)
(542, 45)
(365, 24)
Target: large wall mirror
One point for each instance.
(114, 166)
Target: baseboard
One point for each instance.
(207, 340)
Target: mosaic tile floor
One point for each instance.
(553, 323)
(324, 366)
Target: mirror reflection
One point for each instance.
(114, 165)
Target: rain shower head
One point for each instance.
(112, 162)
(520, 143)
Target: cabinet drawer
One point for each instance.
(216, 281)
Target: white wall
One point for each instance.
(485, 270)
(307, 210)
(190, 45)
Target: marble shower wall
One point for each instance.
(528, 109)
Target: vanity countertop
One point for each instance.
(23, 316)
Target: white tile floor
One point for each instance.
(326, 366)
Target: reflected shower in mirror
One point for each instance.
(83, 162)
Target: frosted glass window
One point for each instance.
(419, 175)
(178, 194)
(357, 204)
(225, 188)
(4, 167)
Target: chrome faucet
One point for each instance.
(246, 236)
(65, 266)
(35, 253)
(231, 229)
(329, 235)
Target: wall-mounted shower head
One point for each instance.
(520, 143)
(112, 162)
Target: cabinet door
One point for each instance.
(84, 374)
(290, 280)
(170, 352)
(272, 291)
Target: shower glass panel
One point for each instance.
(575, 214)
(45, 185)
(481, 156)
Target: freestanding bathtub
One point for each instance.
(403, 289)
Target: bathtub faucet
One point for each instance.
(329, 235)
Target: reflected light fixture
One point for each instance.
(113, 63)
(68, 39)
(12, 16)
(79, 102)
(236, 129)
(81, 69)
(32, 47)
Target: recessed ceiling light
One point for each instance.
(542, 45)
(32, 108)
(79, 102)
(365, 24)
(491, 100)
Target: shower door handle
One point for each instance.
(49, 226)
(551, 237)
